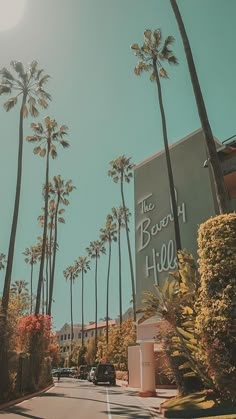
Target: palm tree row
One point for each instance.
(111, 232)
(29, 85)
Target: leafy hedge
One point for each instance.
(216, 306)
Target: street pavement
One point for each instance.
(72, 399)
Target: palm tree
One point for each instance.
(122, 171)
(71, 273)
(28, 84)
(108, 234)
(217, 174)
(95, 250)
(118, 217)
(83, 265)
(32, 254)
(3, 261)
(59, 191)
(50, 240)
(152, 53)
(19, 288)
(46, 137)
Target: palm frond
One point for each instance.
(53, 154)
(43, 94)
(33, 138)
(42, 103)
(19, 68)
(173, 60)
(10, 103)
(6, 74)
(64, 143)
(4, 89)
(43, 80)
(37, 150)
(38, 128)
(43, 152)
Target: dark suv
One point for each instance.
(105, 373)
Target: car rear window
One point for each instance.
(106, 368)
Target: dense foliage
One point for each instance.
(116, 351)
(216, 306)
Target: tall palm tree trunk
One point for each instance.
(82, 307)
(108, 278)
(47, 275)
(50, 251)
(41, 269)
(42, 302)
(129, 251)
(96, 305)
(51, 285)
(119, 268)
(10, 256)
(168, 162)
(4, 382)
(71, 314)
(217, 174)
(31, 288)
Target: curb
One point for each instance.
(26, 397)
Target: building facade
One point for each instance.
(64, 334)
(154, 227)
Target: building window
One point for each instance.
(79, 335)
(92, 333)
(61, 337)
(86, 334)
(64, 337)
(68, 335)
(64, 349)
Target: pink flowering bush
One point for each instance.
(34, 325)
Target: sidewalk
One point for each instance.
(152, 404)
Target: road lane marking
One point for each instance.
(108, 405)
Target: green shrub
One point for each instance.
(216, 305)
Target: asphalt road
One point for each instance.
(78, 399)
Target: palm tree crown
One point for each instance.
(122, 169)
(82, 264)
(25, 83)
(48, 137)
(95, 249)
(154, 51)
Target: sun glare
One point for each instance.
(11, 11)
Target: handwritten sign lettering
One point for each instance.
(165, 259)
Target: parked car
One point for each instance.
(91, 374)
(105, 373)
(83, 372)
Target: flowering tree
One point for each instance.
(31, 325)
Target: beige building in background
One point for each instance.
(64, 334)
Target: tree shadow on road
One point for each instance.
(117, 409)
(20, 411)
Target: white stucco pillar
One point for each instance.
(147, 368)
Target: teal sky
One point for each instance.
(84, 45)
